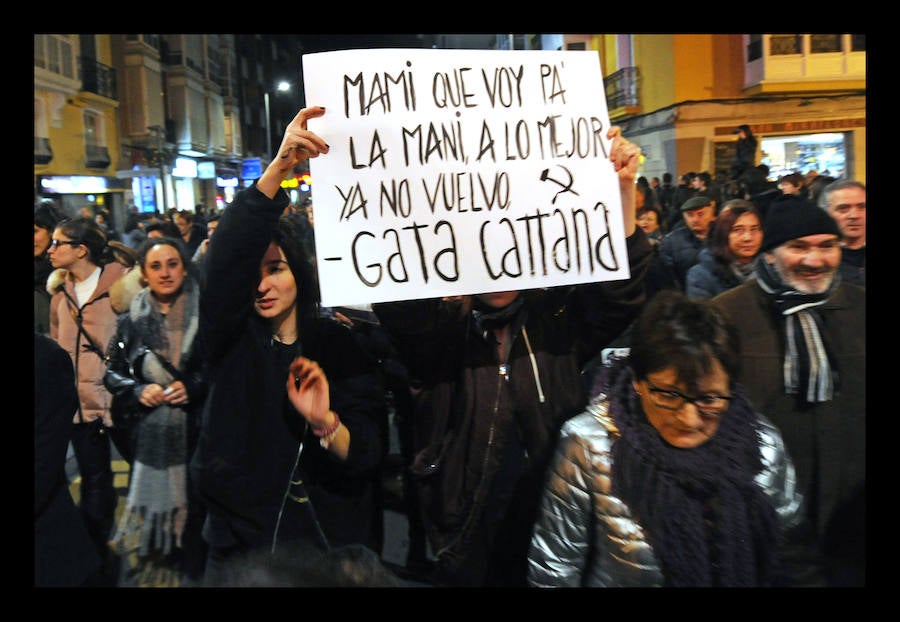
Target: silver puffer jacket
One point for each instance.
(580, 519)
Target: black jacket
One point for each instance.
(124, 379)
(250, 434)
(475, 417)
(64, 555)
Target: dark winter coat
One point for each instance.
(709, 277)
(677, 253)
(827, 440)
(250, 435)
(472, 410)
(64, 555)
(124, 378)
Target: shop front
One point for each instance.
(79, 194)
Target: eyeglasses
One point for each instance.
(710, 405)
(57, 243)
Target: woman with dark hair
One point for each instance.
(730, 253)
(669, 478)
(290, 443)
(46, 216)
(82, 321)
(156, 371)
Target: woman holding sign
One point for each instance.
(289, 445)
(495, 377)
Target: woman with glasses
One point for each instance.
(82, 321)
(669, 478)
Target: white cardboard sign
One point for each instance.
(456, 172)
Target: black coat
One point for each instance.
(124, 379)
(250, 434)
(64, 554)
(472, 426)
(678, 251)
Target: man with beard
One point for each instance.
(803, 344)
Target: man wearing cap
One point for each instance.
(803, 344)
(678, 251)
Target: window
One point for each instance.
(780, 45)
(92, 131)
(55, 54)
(825, 153)
(754, 48)
(819, 44)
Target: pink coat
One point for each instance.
(99, 320)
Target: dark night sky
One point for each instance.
(328, 42)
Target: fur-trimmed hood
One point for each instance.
(56, 279)
(123, 291)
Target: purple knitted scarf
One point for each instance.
(707, 520)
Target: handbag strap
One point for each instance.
(76, 313)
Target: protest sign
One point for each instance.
(454, 172)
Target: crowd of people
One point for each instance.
(722, 446)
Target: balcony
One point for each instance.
(790, 64)
(96, 156)
(42, 151)
(622, 97)
(98, 78)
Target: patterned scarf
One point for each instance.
(157, 506)
(810, 368)
(708, 521)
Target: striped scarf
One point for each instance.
(810, 369)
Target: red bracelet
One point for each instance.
(330, 430)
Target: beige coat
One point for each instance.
(99, 320)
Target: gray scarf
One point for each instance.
(810, 369)
(157, 506)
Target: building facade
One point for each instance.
(145, 122)
(680, 97)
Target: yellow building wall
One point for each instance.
(693, 67)
(653, 56)
(67, 137)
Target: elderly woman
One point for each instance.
(669, 478)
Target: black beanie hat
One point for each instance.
(789, 220)
(46, 216)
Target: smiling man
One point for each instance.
(803, 355)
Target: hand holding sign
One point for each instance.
(454, 172)
(297, 145)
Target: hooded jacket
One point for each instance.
(99, 322)
(469, 407)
